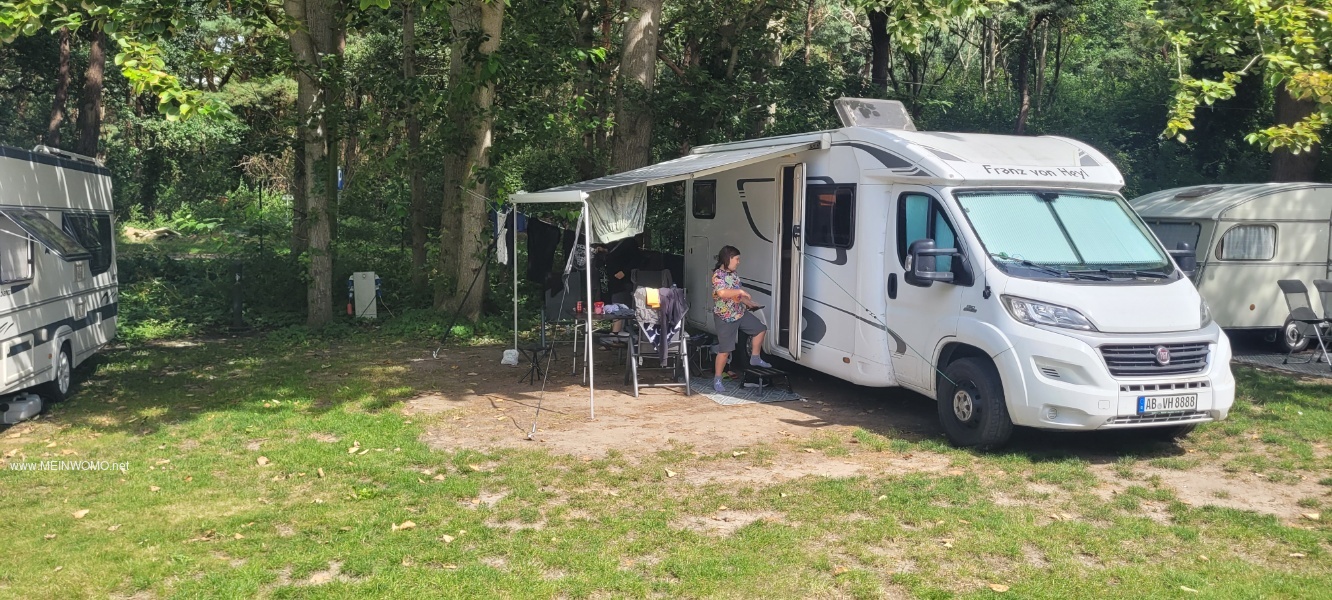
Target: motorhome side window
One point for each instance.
(705, 199)
(920, 217)
(15, 253)
(830, 215)
(94, 233)
(1248, 242)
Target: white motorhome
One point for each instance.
(58, 295)
(1247, 237)
(1003, 276)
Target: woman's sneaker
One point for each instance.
(717, 385)
(757, 361)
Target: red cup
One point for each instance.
(578, 307)
(598, 307)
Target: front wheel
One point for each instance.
(57, 389)
(972, 408)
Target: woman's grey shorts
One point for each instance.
(728, 331)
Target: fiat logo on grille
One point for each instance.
(1162, 355)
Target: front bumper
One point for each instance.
(1067, 385)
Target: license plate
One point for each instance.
(1156, 404)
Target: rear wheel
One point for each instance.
(58, 388)
(1289, 338)
(972, 408)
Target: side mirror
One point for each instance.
(1185, 259)
(922, 264)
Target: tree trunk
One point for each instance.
(880, 44)
(632, 146)
(417, 214)
(477, 25)
(311, 42)
(300, 180)
(809, 28)
(90, 105)
(1024, 79)
(52, 137)
(1286, 165)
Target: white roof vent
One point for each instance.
(871, 112)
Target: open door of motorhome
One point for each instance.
(790, 289)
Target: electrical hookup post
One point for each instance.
(363, 289)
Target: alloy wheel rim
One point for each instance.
(964, 406)
(62, 373)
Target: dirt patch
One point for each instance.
(1209, 485)
(726, 522)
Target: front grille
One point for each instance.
(1174, 417)
(1162, 387)
(1139, 360)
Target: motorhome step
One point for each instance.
(765, 376)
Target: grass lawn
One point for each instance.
(274, 467)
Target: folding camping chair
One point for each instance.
(647, 339)
(1308, 323)
(559, 316)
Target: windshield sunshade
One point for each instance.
(1067, 230)
(46, 232)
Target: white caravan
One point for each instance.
(1248, 236)
(58, 296)
(1002, 275)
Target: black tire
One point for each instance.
(60, 385)
(1169, 434)
(972, 408)
(1289, 339)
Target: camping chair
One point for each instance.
(651, 279)
(645, 347)
(559, 323)
(1307, 322)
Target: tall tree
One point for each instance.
(631, 146)
(465, 235)
(52, 137)
(1289, 41)
(90, 104)
(317, 46)
(415, 181)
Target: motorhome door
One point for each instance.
(790, 285)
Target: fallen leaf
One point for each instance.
(50, 536)
(57, 569)
(999, 587)
(51, 445)
(809, 450)
(739, 453)
(1188, 589)
(80, 514)
(163, 461)
(363, 452)
(884, 497)
(404, 525)
(670, 473)
(1296, 555)
(1312, 516)
(783, 494)
(239, 536)
(153, 488)
(321, 471)
(263, 460)
(839, 569)
(353, 449)
(439, 477)
(11, 453)
(447, 538)
(947, 543)
(722, 507)
(450, 567)
(1203, 557)
(113, 527)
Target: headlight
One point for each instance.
(1032, 312)
(1205, 314)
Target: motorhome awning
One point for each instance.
(619, 213)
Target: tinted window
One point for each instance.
(94, 233)
(830, 215)
(920, 217)
(705, 199)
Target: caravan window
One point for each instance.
(94, 233)
(15, 253)
(47, 233)
(705, 199)
(1248, 242)
(1171, 233)
(830, 215)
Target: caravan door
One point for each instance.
(789, 288)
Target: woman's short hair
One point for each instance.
(725, 255)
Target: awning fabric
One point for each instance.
(619, 202)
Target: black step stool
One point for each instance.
(535, 353)
(766, 373)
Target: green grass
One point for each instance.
(196, 515)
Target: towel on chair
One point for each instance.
(653, 298)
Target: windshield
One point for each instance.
(1064, 234)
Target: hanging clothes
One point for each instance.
(503, 231)
(542, 240)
